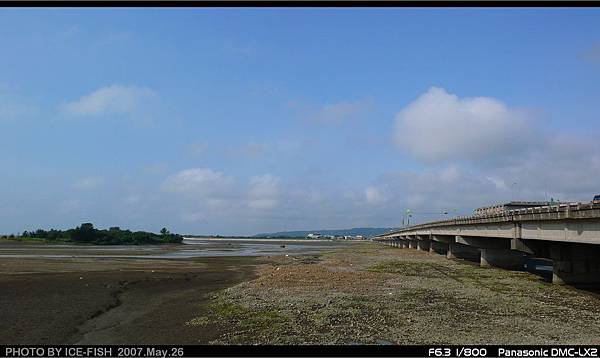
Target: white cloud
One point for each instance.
(199, 182)
(112, 100)
(566, 166)
(264, 192)
(440, 126)
(430, 193)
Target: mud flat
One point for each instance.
(372, 294)
(111, 301)
(355, 294)
(60, 293)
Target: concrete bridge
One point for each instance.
(567, 234)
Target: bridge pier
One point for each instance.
(506, 259)
(461, 251)
(567, 234)
(438, 247)
(423, 245)
(575, 264)
(583, 272)
(412, 243)
(423, 242)
(495, 252)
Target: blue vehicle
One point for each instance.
(596, 200)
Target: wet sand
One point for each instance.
(65, 294)
(111, 301)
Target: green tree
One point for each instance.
(84, 233)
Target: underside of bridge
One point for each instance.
(571, 248)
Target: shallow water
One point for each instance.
(191, 248)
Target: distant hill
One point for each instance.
(364, 231)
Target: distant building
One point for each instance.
(313, 236)
(500, 208)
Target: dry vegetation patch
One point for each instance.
(374, 295)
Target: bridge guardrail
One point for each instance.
(573, 211)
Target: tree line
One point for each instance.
(86, 233)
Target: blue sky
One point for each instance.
(238, 121)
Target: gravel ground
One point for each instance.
(374, 294)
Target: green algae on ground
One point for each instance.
(237, 317)
(410, 268)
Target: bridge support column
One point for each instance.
(405, 244)
(577, 264)
(423, 245)
(506, 259)
(423, 242)
(438, 247)
(460, 251)
(583, 272)
(412, 243)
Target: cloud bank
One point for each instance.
(439, 126)
(485, 152)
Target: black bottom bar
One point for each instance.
(165, 351)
